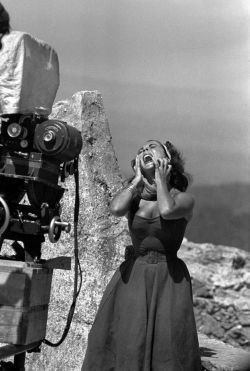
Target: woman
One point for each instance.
(145, 320)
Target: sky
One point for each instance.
(173, 70)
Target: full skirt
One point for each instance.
(145, 320)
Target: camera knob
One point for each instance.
(56, 227)
(14, 130)
(49, 136)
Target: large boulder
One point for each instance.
(101, 237)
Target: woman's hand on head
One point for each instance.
(138, 174)
(162, 169)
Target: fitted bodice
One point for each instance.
(156, 234)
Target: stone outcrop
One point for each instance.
(101, 237)
(218, 356)
(221, 287)
(220, 275)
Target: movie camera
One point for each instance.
(36, 154)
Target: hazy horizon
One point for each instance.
(173, 70)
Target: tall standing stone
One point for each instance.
(101, 237)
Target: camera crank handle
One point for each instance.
(56, 227)
(6, 217)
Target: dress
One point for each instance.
(145, 321)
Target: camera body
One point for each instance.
(36, 154)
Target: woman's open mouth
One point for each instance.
(147, 159)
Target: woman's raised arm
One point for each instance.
(121, 203)
(170, 206)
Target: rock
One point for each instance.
(217, 356)
(101, 237)
(211, 326)
(201, 289)
(229, 305)
(244, 318)
(238, 262)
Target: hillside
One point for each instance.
(222, 215)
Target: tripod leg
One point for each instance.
(19, 251)
(19, 361)
(32, 248)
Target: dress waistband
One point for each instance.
(151, 256)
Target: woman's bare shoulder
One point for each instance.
(183, 196)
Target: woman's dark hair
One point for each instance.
(4, 23)
(4, 20)
(179, 179)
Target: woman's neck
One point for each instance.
(149, 191)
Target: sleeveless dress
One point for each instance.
(145, 320)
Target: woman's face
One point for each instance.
(151, 149)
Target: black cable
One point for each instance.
(77, 268)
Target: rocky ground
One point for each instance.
(221, 288)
